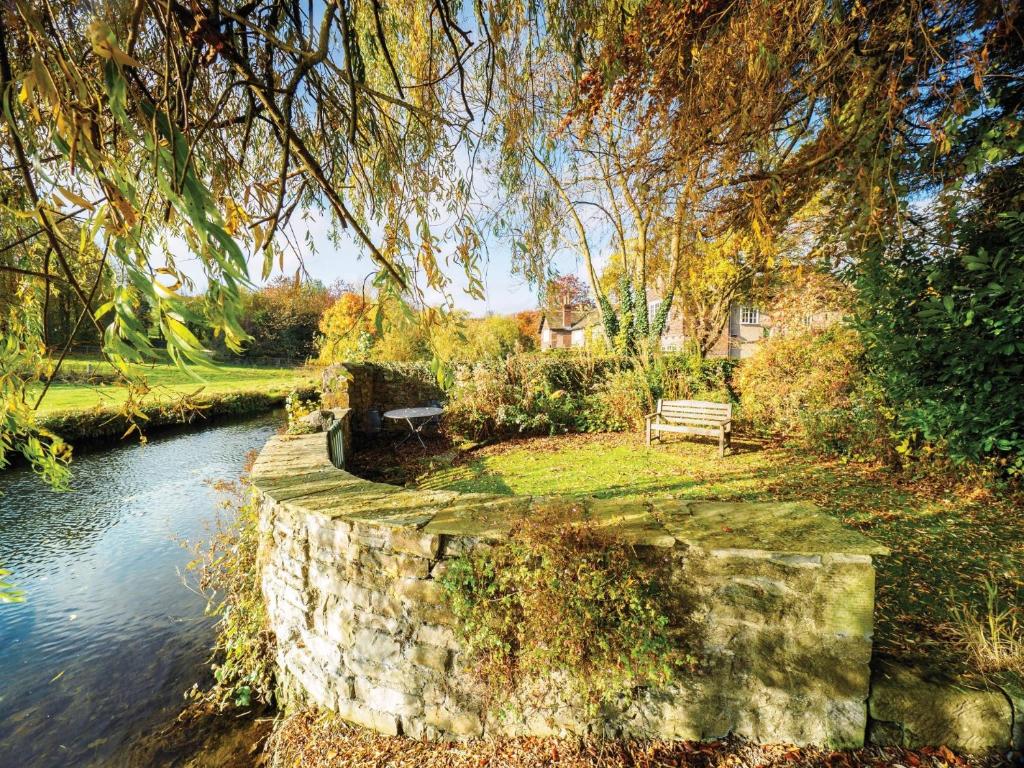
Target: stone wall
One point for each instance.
(781, 601)
(361, 386)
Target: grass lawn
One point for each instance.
(945, 539)
(168, 381)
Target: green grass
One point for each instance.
(168, 381)
(946, 539)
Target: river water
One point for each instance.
(109, 638)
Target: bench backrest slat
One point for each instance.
(694, 409)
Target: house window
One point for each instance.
(652, 309)
(750, 316)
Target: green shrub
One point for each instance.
(861, 428)
(548, 392)
(522, 394)
(795, 376)
(684, 376)
(944, 333)
(560, 598)
(475, 397)
(227, 571)
(621, 402)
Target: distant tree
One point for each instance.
(283, 318)
(568, 289)
(403, 339)
(462, 339)
(356, 327)
(529, 327)
(347, 328)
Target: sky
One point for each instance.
(347, 261)
(505, 293)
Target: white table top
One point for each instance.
(414, 413)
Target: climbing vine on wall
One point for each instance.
(561, 598)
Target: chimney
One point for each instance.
(566, 311)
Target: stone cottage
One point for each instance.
(745, 327)
(568, 328)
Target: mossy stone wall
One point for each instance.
(782, 600)
(361, 386)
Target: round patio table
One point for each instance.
(416, 419)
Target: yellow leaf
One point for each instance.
(175, 285)
(104, 45)
(26, 89)
(77, 199)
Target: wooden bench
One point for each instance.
(695, 417)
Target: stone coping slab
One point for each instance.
(296, 472)
(797, 527)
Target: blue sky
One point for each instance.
(345, 261)
(505, 293)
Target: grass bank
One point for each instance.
(947, 538)
(87, 405)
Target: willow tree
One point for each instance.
(151, 131)
(578, 189)
(765, 106)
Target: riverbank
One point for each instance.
(107, 425)
(86, 407)
(88, 382)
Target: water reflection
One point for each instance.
(109, 638)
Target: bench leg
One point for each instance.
(721, 444)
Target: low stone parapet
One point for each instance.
(781, 595)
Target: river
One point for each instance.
(109, 638)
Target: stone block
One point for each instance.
(360, 714)
(437, 614)
(358, 596)
(439, 569)
(368, 535)
(388, 606)
(430, 656)
(397, 676)
(419, 591)
(925, 712)
(388, 700)
(795, 527)
(371, 644)
(437, 635)
(410, 567)
(326, 652)
(413, 542)
(322, 533)
(630, 521)
(457, 723)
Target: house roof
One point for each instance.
(581, 317)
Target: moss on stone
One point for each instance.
(771, 527)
